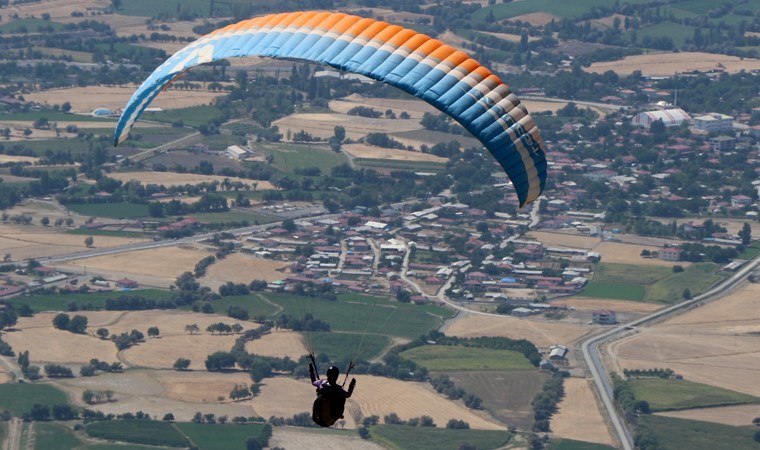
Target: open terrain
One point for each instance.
(374, 396)
(579, 416)
(158, 267)
(716, 344)
(293, 437)
(278, 343)
(374, 152)
(543, 334)
(59, 10)
(739, 415)
(243, 268)
(593, 304)
(84, 100)
(181, 179)
(665, 64)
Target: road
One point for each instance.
(606, 106)
(590, 347)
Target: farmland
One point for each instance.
(445, 358)
(19, 398)
(666, 395)
(402, 437)
(694, 435)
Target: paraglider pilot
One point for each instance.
(331, 397)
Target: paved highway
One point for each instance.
(590, 347)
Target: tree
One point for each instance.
(192, 328)
(45, 221)
(102, 333)
(686, 294)
(61, 321)
(168, 417)
(153, 332)
(746, 234)
(756, 421)
(181, 364)
(77, 324)
(757, 436)
(88, 241)
(364, 432)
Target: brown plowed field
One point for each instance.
(579, 416)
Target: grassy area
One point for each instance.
(30, 25)
(695, 435)
(403, 437)
(666, 395)
(54, 435)
(220, 437)
(82, 57)
(562, 9)
(289, 156)
(110, 233)
(751, 251)
(617, 291)
(251, 303)
(441, 357)
(697, 278)
(346, 346)
(400, 165)
(630, 274)
(59, 302)
(121, 210)
(146, 432)
(53, 116)
(19, 398)
(234, 216)
(354, 312)
(193, 116)
(570, 444)
(675, 31)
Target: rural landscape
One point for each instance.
(270, 210)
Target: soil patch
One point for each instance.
(373, 152)
(242, 268)
(735, 416)
(579, 416)
(292, 437)
(666, 64)
(278, 343)
(593, 304)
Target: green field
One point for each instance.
(220, 437)
(254, 304)
(697, 278)
(234, 216)
(110, 233)
(76, 56)
(122, 210)
(675, 31)
(288, 156)
(675, 433)
(650, 283)
(404, 437)
(193, 116)
(561, 9)
(667, 395)
(434, 137)
(438, 358)
(354, 313)
(19, 398)
(53, 116)
(59, 302)
(53, 435)
(30, 25)
(400, 165)
(751, 251)
(347, 346)
(617, 291)
(569, 444)
(146, 432)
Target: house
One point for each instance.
(236, 152)
(670, 254)
(558, 352)
(126, 283)
(522, 312)
(740, 201)
(723, 143)
(604, 317)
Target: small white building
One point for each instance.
(714, 122)
(236, 152)
(669, 117)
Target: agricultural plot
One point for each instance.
(364, 151)
(347, 346)
(579, 416)
(714, 344)
(506, 395)
(220, 437)
(181, 179)
(54, 435)
(666, 64)
(323, 125)
(55, 302)
(19, 398)
(570, 444)
(279, 343)
(120, 210)
(146, 432)
(666, 395)
(438, 358)
(736, 416)
(404, 437)
(294, 437)
(694, 435)
(243, 268)
(291, 156)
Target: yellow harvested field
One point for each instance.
(180, 179)
(550, 239)
(510, 37)
(59, 10)
(129, 25)
(294, 437)
(323, 124)
(541, 333)
(610, 252)
(155, 267)
(373, 152)
(373, 396)
(160, 392)
(15, 158)
(86, 99)
(665, 64)
(23, 242)
(593, 304)
(243, 268)
(735, 416)
(716, 344)
(579, 416)
(278, 343)
(47, 345)
(537, 18)
(414, 107)
(4, 376)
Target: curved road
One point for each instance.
(590, 347)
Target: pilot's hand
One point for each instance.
(352, 384)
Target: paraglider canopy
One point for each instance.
(425, 67)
